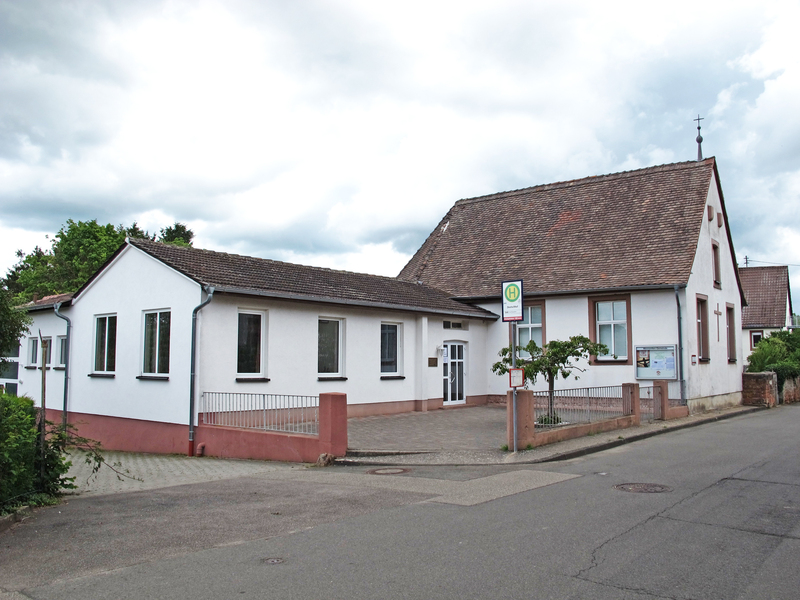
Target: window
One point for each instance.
(755, 337)
(608, 320)
(34, 357)
(731, 328)
(105, 344)
(702, 328)
(61, 349)
(249, 354)
(530, 328)
(390, 348)
(329, 348)
(156, 342)
(715, 264)
(9, 371)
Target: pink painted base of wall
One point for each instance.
(134, 435)
(128, 435)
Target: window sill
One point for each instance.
(153, 377)
(102, 375)
(61, 368)
(732, 361)
(252, 379)
(392, 377)
(611, 361)
(718, 285)
(703, 360)
(321, 378)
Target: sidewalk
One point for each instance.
(473, 436)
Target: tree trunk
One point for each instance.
(551, 404)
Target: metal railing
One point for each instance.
(578, 405)
(265, 412)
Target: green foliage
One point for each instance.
(13, 324)
(77, 251)
(769, 351)
(549, 419)
(17, 447)
(556, 358)
(34, 458)
(779, 352)
(178, 234)
(551, 361)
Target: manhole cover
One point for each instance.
(388, 471)
(643, 488)
(272, 561)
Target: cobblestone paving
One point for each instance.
(160, 470)
(469, 428)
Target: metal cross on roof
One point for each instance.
(699, 139)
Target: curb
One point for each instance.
(346, 461)
(8, 520)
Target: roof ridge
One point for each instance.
(139, 241)
(590, 179)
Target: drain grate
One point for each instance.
(388, 471)
(272, 561)
(643, 488)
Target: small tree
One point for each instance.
(553, 359)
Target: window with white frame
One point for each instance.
(329, 347)
(9, 371)
(156, 342)
(611, 323)
(105, 344)
(250, 345)
(34, 358)
(61, 350)
(391, 342)
(33, 351)
(530, 328)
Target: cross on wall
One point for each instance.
(718, 312)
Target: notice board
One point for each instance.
(656, 362)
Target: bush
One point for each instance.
(553, 419)
(769, 351)
(26, 473)
(786, 369)
(17, 447)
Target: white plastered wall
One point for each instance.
(653, 322)
(718, 381)
(290, 350)
(30, 377)
(134, 283)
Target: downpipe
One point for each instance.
(56, 307)
(210, 292)
(680, 347)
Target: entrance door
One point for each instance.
(453, 373)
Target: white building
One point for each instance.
(641, 261)
(769, 303)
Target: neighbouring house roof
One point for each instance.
(635, 229)
(767, 291)
(48, 302)
(232, 273)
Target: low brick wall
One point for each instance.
(791, 391)
(759, 389)
(529, 435)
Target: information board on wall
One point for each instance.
(656, 362)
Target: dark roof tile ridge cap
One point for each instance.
(144, 243)
(591, 179)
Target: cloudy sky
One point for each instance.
(337, 133)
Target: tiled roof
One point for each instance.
(767, 292)
(631, 229)
(48, 302)
(257, 276)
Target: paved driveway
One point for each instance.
(468, 428)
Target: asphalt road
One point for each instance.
(729, 528)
